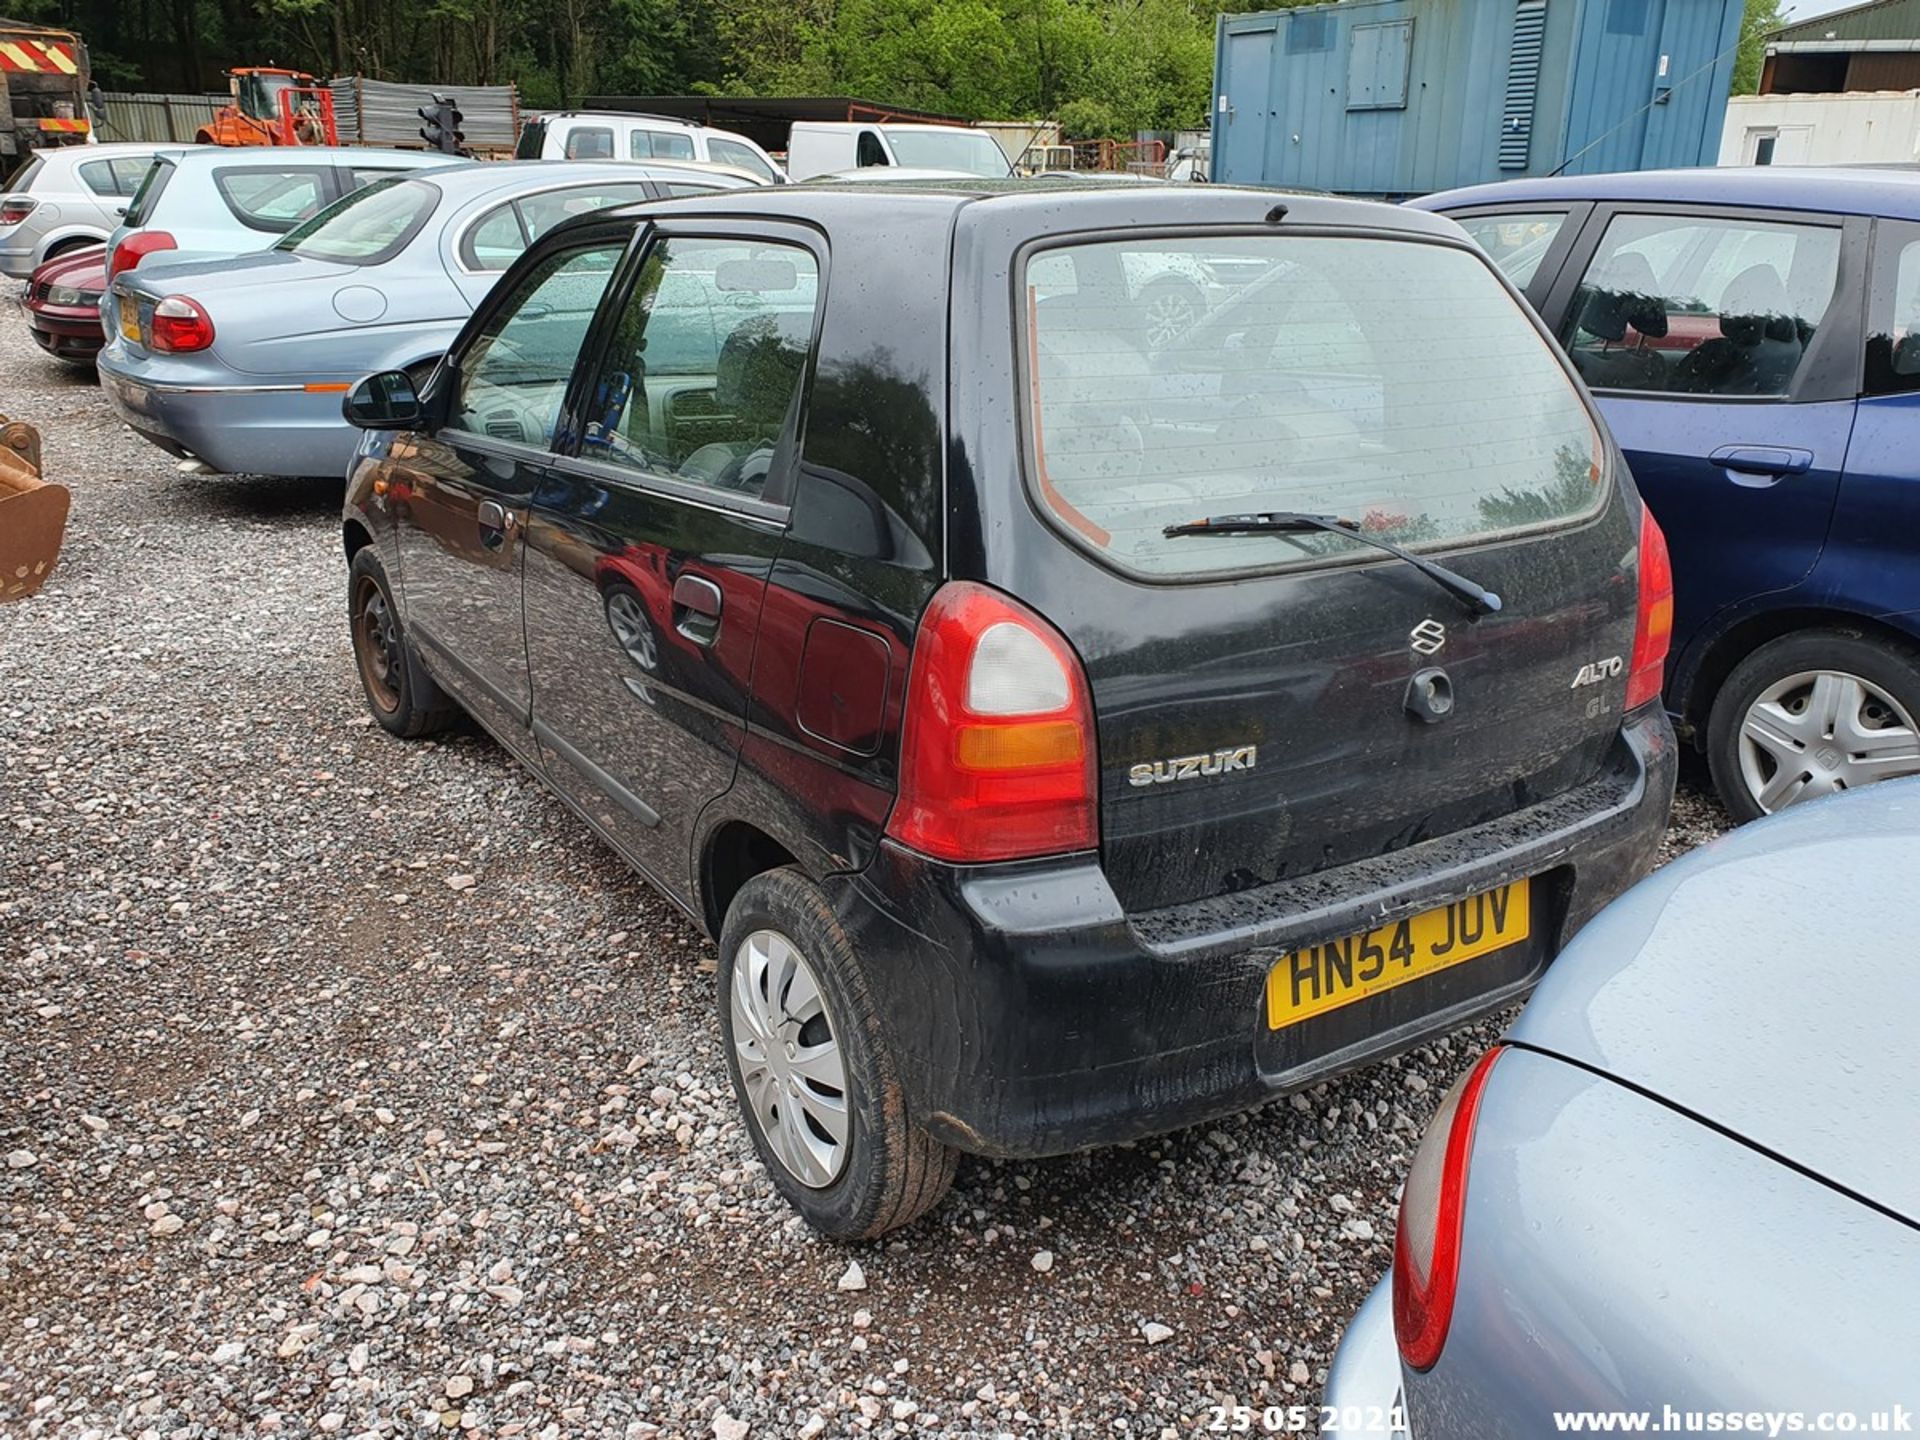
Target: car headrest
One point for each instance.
(1624, 294)
(758, 365)
(1755, 307)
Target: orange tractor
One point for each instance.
(273, 107)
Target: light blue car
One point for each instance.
(1686, 1187)
(240, 363)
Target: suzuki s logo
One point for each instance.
(1192, 767)
(1428, 637)
(1595, 672)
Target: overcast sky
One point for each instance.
(1807, 9)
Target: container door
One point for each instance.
(1241, 118)
(1617, 67)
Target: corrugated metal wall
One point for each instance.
(153, 116)
(1401, 97)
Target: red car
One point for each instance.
(62, 302)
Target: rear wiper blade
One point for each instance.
(1476, 597)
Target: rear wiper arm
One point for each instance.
(1477, 598)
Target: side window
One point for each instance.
(590, 142)
(661, 145)
(1893, 317)
(496, 241)
(358, 175)
(1693, 306)
(128, 172)
(870, 151)
(272, 199)
(1515, 243)
(540, 213)
(513, 377)
(705, 367)
(97, 176)
(732, 152)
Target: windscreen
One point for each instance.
(972, 151)
(369, 226)
(1395, 384)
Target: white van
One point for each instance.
(610, 135)
(833, 147)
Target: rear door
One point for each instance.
(649, 549)
(1263, 701)
(1723, 348)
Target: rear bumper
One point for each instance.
(1363, 1397)
(236, 429)
(1031, 1015)
(17, 260)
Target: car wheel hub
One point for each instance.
(1823, 731)
(791, 1066)
(379, 647)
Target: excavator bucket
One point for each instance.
(33, 513)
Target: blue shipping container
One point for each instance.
(1403, 97)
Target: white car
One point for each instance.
(612, 135)
(67, 197)
(832, 147)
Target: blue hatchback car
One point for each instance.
(1753, 338)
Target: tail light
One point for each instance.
(15, 208)
(179, 326)
(1426, 1248)
(127, 254)
(1653, 631)
(997, 749)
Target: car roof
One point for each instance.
(265, 157)
(109, 148)
(638, 116)
(1856, 190)
(1047, 205)
(463, 182)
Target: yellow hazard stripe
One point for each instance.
(61, 58)
(19, 57)
(65, 127)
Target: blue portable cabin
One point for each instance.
(1402, 97)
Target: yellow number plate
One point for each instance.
(130, 318)
(1319, 978)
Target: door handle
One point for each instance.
(1761, 465)
(696, 609)
(496, 523)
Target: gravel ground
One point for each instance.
(351, 1087)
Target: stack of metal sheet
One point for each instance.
(382, 112)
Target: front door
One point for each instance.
(465, 488)
(648, 553)
(1707, 339)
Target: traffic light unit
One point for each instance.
(442, 130)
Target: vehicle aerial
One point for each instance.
(272, 106)
(1057, 740)
(616, 135)
(65, 199)
(250, 381)
(62, 304)
(1684, 1148)
(209, 201)
(829, 147)
(1753, 336)
(44, 85)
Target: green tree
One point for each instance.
(1762, 18)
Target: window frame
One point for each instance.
(1023, 408)
(774, 504)
(1831, 368)
(1890, 238)
(574, 131)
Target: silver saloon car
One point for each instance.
(240, 363)
(1684, 1193)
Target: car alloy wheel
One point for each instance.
(627, 617)
(1170, 314)
(791, 1067)
(377, 643)
(1822, 731)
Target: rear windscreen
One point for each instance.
(23, 178)
(368, 227)
(1395, 384)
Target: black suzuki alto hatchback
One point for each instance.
(1070, 727)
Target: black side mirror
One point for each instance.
(386, 401)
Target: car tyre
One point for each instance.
(798, 1023)
(403, 698)
(1810, 714)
